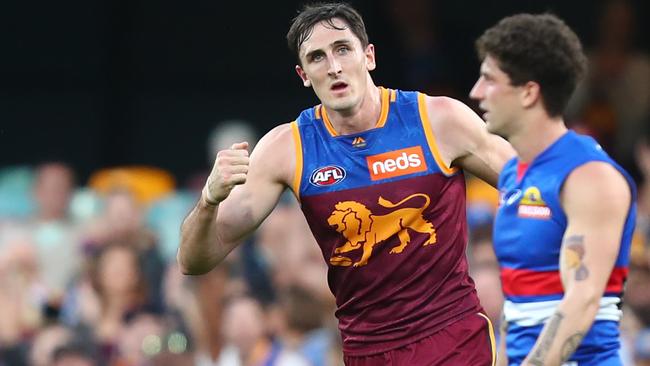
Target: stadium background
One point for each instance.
(100, 83)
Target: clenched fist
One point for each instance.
(230, 169)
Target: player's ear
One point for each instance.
(303, 76)
(370, 57)
(530, 94)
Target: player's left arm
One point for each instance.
(596, 199)
(464, 142)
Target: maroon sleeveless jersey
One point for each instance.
(389, 218)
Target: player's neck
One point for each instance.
(538, 132)
(359, 118)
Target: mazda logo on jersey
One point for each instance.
(327, 175)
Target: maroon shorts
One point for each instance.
(467, 342)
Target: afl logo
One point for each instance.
(327, 176)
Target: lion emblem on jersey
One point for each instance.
(363, 229)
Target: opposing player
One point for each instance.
(378, 174)
(567, 211)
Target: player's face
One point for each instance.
(336, 65)
(497, 97)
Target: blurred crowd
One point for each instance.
(88, 276)
(88, 273)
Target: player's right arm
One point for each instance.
(239, 194)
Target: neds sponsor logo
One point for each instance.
(396, 163)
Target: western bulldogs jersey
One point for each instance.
(528, 232)
(389, 218)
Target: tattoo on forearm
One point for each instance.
(570, 345)
(574, 253)
(548, 335)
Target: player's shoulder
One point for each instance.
(596, 171)
(453, 120)
(276, 149)
(596, 194)
(274, 143)
(277, 139)
(441, 102)
(597, 180)
(446, 109)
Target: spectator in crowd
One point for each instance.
(73, 354)
(122, 221)
(21, 299)
(46, 342)
(120, 289)
(302, 327)
(54, 236)
(142, 338)
(247, 341)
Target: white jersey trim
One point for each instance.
(534, 313)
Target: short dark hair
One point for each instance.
(540, 48)
(312, 14)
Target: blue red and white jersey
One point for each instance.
(528, 232)
(389, 218)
